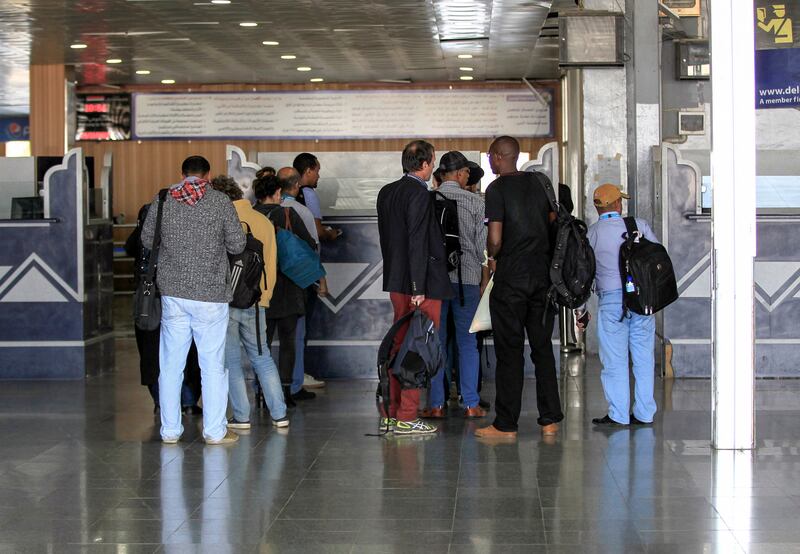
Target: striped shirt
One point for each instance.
(472, 229)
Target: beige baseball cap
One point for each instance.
(606, 194)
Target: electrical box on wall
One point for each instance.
(693, 59)
(683, 8)
(591, 39)
(691, 123)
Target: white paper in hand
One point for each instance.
(482, 320)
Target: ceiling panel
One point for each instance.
(340, 40)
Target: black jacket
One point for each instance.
(412, 244)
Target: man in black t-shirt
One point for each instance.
(519, 244)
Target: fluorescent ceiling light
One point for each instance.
(465, 56)
(270, 43)
(463, 78)
(220, 1)
(317, 80)
(143, 72)
(248, 24)
(288, 57)
(466, 69)
(167, 81)
(113, 60)
(77, 46)
(303, 68)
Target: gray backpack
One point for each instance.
(419, 359)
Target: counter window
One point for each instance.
(773, 192)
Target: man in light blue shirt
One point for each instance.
(308, 167)
(619, 335)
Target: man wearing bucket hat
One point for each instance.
(619, 335)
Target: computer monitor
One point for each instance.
(29, 207)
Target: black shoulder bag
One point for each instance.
(147, 298)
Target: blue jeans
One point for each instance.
(468, 358)
(635, 334)
(181, 320)
(242, 333)
(298, 375)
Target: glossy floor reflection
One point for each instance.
(82, 470)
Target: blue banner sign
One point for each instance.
(777, 34)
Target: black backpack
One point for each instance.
(246, 270)
(572, 268)
(447, 217)
(648, 278)
(418, 361)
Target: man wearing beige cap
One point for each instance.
(619, 335)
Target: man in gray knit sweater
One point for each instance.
(199, 228)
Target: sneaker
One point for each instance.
(170, 440)
(233, 423)
(387, 424)
(416, 427)
(229, 438)
(303, 394)
(281, 423)
(310, 383)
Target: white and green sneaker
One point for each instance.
(416, 427)
(387, 424)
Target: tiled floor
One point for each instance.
(82, 470)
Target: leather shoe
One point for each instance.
(433, 413)
(636, 421)
(550, 429)
(607, 421)
(474, 413)
(492, 432)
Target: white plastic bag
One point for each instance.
(482, 320)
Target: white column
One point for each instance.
(733, 220)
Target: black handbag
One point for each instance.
(147, 298)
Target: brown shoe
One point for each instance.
(492, 432)
(549, 430)
(433, 413)
(474, 413)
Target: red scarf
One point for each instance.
(190, 191)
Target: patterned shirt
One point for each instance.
(472, 229)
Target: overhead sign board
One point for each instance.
(363, 114)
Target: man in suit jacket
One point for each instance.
(414, 267)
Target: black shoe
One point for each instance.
(193, 410)
(605, 420)
(287, 397)
(303, 394)
(484, 404)
(636, 421)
